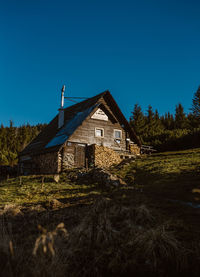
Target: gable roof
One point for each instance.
(52, 138)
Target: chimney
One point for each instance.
(61, 110)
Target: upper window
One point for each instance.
(117, 134)
(99, 132)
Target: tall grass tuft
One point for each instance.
(116, 241)
(45, 242)
(110, 240)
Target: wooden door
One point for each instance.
(80, 155)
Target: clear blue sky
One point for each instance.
(145, 52)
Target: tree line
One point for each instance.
(165, 132)
(14, 139)
(168, 132)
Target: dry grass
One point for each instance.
(112, 239)
(159, 247)
(125, 232)
(45, 242)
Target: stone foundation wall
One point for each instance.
(68, 161)
(46, 163)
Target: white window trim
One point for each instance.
(120, 135)
(97, 128)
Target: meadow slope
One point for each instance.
(146, 227)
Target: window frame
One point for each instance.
(99, 128)
(118, 130)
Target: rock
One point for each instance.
(37, 208)
(56, 178)
(12, 210)
(105, 178)
(55, 204)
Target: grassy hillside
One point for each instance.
(170, 174)
(174, 175)
(144, 228)
(40, 189)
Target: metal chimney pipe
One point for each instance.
(62, 97)
(61, 110)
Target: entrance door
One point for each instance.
(80, 155)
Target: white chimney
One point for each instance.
(61, 110)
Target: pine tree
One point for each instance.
(168, 121)
(150, 115)
(150, 123)
(180, 117)
(192, 121)
(196, 104)
(157, 118)
(137, 120)
(158, 123)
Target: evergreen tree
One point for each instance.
(156, 116)
(168, 121)
(196, 104)
(192, 121)
(137, 120)
(180, 117)
(150, 122)
(150, 115)
(158, 123)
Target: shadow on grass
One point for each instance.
(179, 184)
(144, 176)
(176, 153)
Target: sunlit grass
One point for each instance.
(176, 172)
(32, 190)
(170, 171)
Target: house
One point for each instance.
(85, 134)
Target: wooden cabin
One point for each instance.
(90, 133)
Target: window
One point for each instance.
(117, 134)
(99, 132)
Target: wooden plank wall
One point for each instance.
(86, 133)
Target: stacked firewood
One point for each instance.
(105, 157)
(135, 149)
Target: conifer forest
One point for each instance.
(168, 132)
